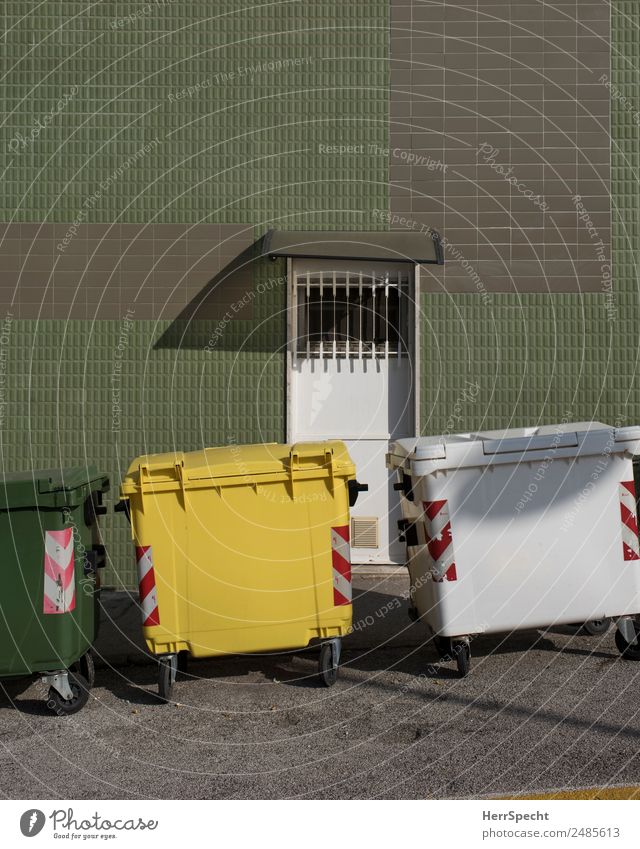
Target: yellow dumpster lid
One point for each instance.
(237, 461)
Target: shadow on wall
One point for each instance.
(241, 308)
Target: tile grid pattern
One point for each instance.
(498, 111)
(153, 270)
(522, 359)
(230, 118)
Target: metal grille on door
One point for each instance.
(352, 315)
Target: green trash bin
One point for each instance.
(51, 554)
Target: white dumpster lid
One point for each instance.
(508, 441)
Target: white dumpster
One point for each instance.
(521, 528)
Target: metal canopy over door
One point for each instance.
(351, 376)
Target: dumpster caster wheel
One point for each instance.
(329, 662)
(629, 651)
(167, 668)
(462, 651)
(86, 667)
(596, 627)
(79, 687)
(443, 647)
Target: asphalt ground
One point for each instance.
(541, 712)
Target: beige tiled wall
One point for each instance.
(153, 271)
(523, 79)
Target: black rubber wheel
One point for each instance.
(86, 667)
(443, 647)
(462, 652)
(80, 689)
(165, 685)
(596, 627)
(628, 650)
(412, 613)
(327, 668)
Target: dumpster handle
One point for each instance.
(143, 472)
(180, 475)
(294, 457)
(294, 460)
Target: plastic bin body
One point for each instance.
(48, 615)
(247, 547)
(522, 528)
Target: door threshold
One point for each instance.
(375, 570)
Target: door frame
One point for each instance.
(291, 306)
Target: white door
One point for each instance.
(351, 377)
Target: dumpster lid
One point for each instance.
(420, 448)
(507, 441)
(237, 461)
(628, 434)
(32, 486)
(51, 480)
(55, 480)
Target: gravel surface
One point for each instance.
(539, 711)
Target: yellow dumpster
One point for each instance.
(242, 549)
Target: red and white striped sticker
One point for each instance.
(629, 517)
(341, 557)
(440, 540)
(59, 572)
(147, 584)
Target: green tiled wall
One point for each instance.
(102, 393)
(196, 111)
(187, 112)
(519, 360)
(537, 358)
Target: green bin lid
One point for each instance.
(50, 487)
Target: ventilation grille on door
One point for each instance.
(364, 532)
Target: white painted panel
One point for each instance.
(352, 398)
(363, 400)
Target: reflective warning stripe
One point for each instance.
(341, 560)
(147, 585)
(629, 518)
(439, 540)
(59, 572)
